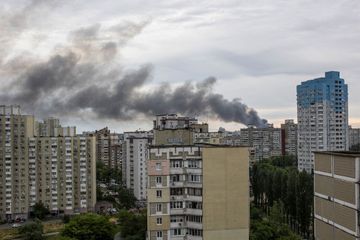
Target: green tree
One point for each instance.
(127, 198)
(291, 196)
(32, 231)
(132, 225)
(40, 210)
(89, 227)
(304, 202)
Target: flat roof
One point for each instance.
(340, 153)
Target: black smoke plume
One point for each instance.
(85, 77)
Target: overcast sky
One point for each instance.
(257, 50)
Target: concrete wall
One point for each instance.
(173, 136)
(225, 193)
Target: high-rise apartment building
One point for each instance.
(354, 139)
(135, 155)
(107, 144)
(62, 173)
(265, 142)
(15, 129)
(336, 196)
(51, 128)
(322, 109)
(173, 129)
(196, 191)
(289, 136)
(59, 171)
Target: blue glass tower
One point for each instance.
(322, 108)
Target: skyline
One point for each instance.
(275, 46)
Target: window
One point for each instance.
(158, 193)
(176, 164)
(159, 234)
(177, 232)
(176, 205)
(159, 221)
(194, 164)
(158, 208)
(195, 178)
(158, 166)
(158, 180)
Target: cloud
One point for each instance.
(83, 76)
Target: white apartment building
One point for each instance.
(135, 155)
(322, 109)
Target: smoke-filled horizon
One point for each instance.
(85, 76)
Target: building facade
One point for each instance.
(134, 167)
(196, 191)
(62, 173)
(15, 129)
(336, 196)
(192, 196)
(322, 110)
(354, 139)
(264, 142)
(108, 147)
(58, 171)
(51, 128)
(289, 136)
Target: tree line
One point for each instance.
(277, 180)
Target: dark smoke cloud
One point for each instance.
(84, 76)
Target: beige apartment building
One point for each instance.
(57, 170)
(336, 195)
(107, 148)
(62, 173)
(15, 129)
(196, 191)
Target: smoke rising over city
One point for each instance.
(86, 75)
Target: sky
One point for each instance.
(230, 63)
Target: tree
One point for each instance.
(132, 225)
(304, 200)
(40, 210)
(276, 181)
(89, 227)
(32, 231)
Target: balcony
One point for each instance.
(193, 198)
(176, 171)
(194, 225)
(177, 211)
(177, 197)
(191, 211)
(194, 170)
(177, 224)
(176, 184)
(194, 184)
